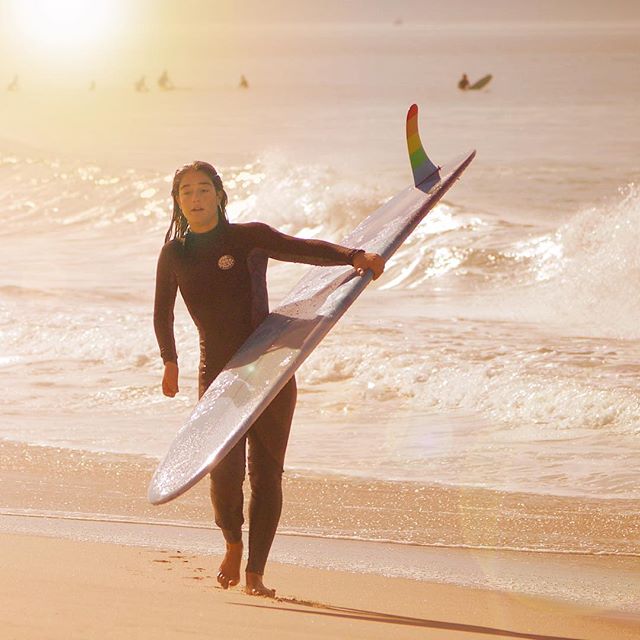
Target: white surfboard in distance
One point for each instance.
(280, 344)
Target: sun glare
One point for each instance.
(64, 24)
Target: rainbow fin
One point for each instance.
(421, 166)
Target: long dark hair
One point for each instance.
(179, 225)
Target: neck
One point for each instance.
(205, 227)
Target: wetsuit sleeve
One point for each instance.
(166, 289)
(291, 249)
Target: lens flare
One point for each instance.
(63, 24)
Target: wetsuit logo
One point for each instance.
(226, 262)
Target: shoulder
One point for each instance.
(171, 249)
(250, 227)
(251, 231)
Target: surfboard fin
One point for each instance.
(421, 166)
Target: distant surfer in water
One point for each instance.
(244, 83)
(140, 85)
(164, 82)
(220, 269)
(465, 85)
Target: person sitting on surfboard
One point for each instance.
(164, 82)
(463, 82)
(220, 269)
(140, 85)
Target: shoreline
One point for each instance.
(50, 479)
(101, 498)
(605, 584)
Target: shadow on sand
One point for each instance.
(374, 616)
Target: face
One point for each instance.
(198, 201)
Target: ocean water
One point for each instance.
(500, 351)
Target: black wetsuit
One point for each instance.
(221, 275)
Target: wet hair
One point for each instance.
(179, 224)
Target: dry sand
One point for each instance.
(54, 588)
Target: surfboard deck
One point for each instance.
(280, 344)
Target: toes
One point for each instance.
(226, 581)
(267, 593)
(223, 581)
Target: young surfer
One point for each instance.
(220, 269)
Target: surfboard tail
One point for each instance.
(421, 166)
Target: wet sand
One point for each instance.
(65, 481)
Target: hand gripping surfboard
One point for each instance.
(280, 344)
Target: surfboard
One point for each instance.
(280, 344)
(480, 84)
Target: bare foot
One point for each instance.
(255, 587)
(229, 572)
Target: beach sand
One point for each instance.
(83, 558)
(55, 588)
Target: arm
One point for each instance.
(319, 252)
(280, 246)
(165, 298)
